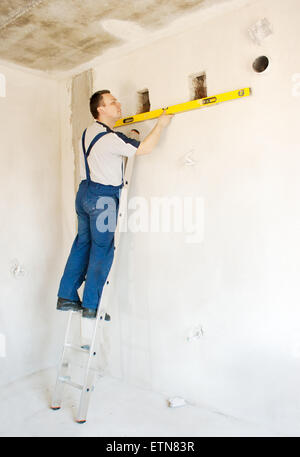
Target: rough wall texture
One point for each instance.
(31, 235)
(59, 34)
(240, 285)
(81, 117)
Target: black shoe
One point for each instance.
(64, 304)
(92, 313)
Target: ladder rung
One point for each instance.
(98, 371)
(67, 380)
(84, 348)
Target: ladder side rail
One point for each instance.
(88, 383)
(63, 369)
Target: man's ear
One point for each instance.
(99, 109)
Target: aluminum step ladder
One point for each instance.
(73, 342)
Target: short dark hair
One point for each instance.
(95, 101)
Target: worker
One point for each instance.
(101, 170)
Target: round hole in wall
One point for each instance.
(260, 64)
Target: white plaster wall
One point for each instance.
(31, 222)
(241, 284)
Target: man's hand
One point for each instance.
(165, 119)
(151, 140)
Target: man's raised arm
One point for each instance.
(152, 138)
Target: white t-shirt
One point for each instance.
(106, 156)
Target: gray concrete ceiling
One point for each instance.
(58, 35)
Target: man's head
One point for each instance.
(105, 107)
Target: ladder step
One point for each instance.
(77, 347)
(67, 380)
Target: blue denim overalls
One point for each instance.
(92, 251)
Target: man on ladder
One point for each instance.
(101, 171)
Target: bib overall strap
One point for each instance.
(126, 139)
(87, 153)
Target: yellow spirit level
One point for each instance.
(187, 106)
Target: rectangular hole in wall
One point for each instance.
(198, 86)
(143, 101)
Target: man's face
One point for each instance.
(110, 107)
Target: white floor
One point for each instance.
(116, 410)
